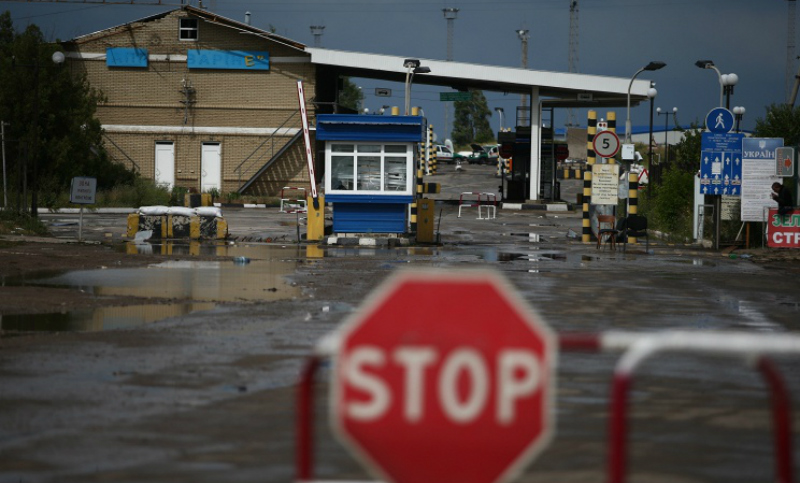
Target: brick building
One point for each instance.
(200, 101)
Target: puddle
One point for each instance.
(697, 262)
(211, 281)
(539, 256)
(191, 285)
(104, 318)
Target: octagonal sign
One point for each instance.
(444, 376)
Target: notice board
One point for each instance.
(605, 184)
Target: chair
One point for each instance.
(636, 226)
(611, 232)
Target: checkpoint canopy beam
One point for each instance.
(545, 89)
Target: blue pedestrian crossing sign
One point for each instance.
(719, 120)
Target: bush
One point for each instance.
(672, 212)
(20, 224)
(178, 196)
(142, 192)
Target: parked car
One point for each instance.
(443, 153)
(483, 154)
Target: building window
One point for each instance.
(189, 29)
(369, 168)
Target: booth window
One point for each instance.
(189, 29)
(369, 168)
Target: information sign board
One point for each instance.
(758, 174)
(784, 161)
(455, 96)
(83, 190)
(721, 163)
(783, 231)
(605, 184)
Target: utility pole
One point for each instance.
(790, 47)
(3, 125)
(524, 36)
(572, 55)
(316, 31)
(450, 15)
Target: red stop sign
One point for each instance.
(444, 377)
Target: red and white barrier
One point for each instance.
(480, 200)
(297, 205)
(636, 348)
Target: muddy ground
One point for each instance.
(22, 259)
(210, 396)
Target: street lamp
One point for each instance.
(738, 112)
(500, 112)
(666, 122)
(654, 65)
(709, 64)
(651, 94)
(728, 81)
(412, 67)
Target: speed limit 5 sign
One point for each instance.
(606, 144)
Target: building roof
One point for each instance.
(196, 12)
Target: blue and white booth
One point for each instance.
(370, 174)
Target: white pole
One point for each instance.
(80, 225)
(5, 189)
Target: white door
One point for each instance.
(165, 164)
(211, 167)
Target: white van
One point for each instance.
(443, 153)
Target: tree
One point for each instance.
(780, 121)
(686, 154)
(53, 134)
(471, 124)
(350, 96)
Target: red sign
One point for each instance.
(606, 144)
(783, 231)
(444, 377)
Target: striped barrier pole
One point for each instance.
(611, 119)
(591, 131)
(633, 198)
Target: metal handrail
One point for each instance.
(270, 138)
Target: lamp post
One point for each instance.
(500, 112)
(654, 65)
(651, 93)
(412, 67)
(728, 82)
(738, 112)
(666, 126)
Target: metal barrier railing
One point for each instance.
(294, 205)
(636, 348)
(481, 200)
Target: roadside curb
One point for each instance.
(354, 241)
(88, 211)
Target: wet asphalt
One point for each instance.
(210, 395)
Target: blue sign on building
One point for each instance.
(126, 57)
(719, 120)
(227, 59)
(721, 164)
